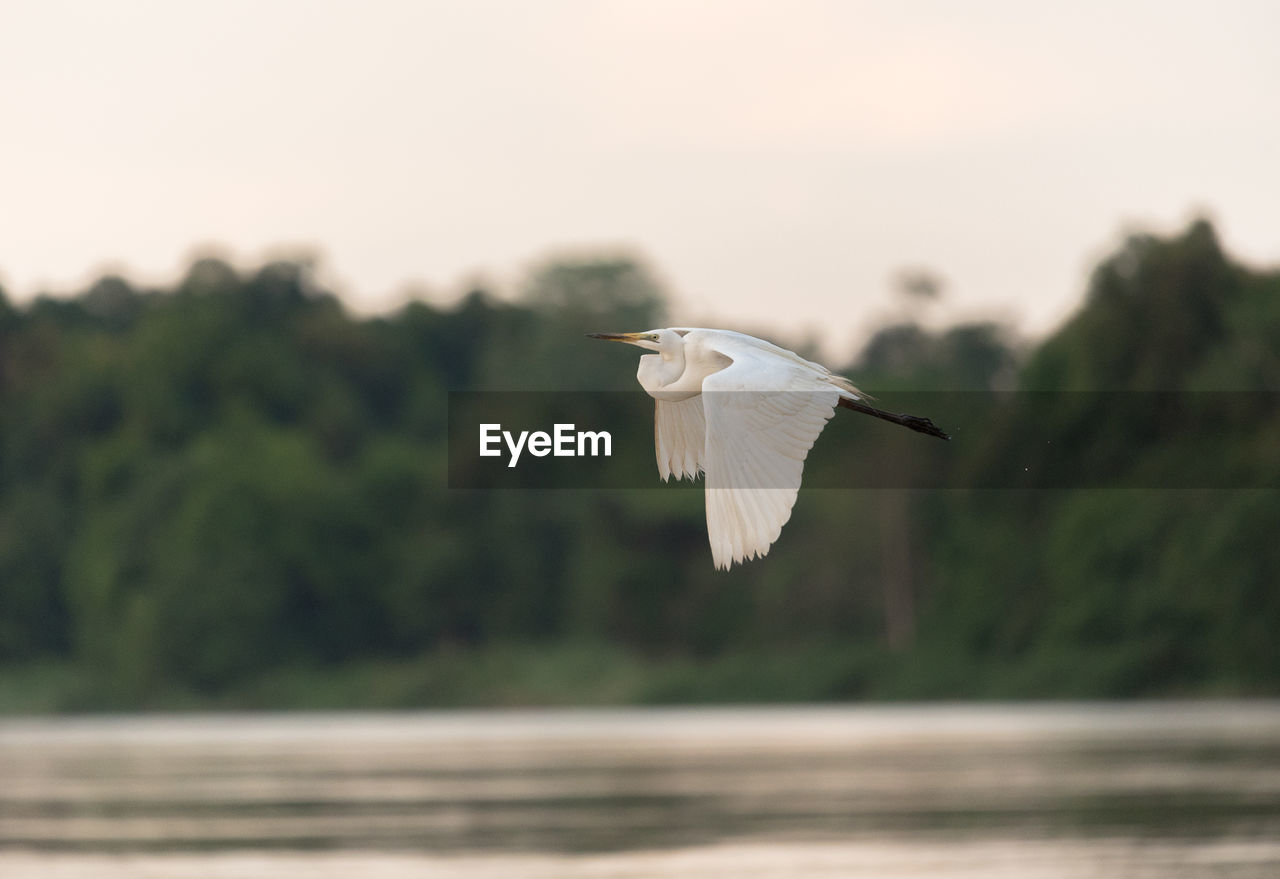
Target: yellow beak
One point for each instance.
(632, 338)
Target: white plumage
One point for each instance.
(762, 412)
(744, 412)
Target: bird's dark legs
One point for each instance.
(913, 422)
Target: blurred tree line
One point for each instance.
(233, 493)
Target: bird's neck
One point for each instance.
(664, 379)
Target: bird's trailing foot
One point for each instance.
(912, 422)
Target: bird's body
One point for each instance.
(744, 412)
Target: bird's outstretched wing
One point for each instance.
(679, 434)
(763, 414)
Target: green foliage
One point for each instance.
(233, 494)
(1130, 592)
(967, 357)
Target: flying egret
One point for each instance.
(745, 413)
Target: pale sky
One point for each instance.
(777, 162)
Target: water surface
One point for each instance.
(1170, 790)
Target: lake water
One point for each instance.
(1149, 790)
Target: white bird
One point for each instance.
(744, 412)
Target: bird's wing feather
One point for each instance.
(679, 433)
(763, 414)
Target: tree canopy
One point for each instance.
(234, 480)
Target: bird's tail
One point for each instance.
(845, 385)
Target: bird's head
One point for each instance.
(650, 339)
